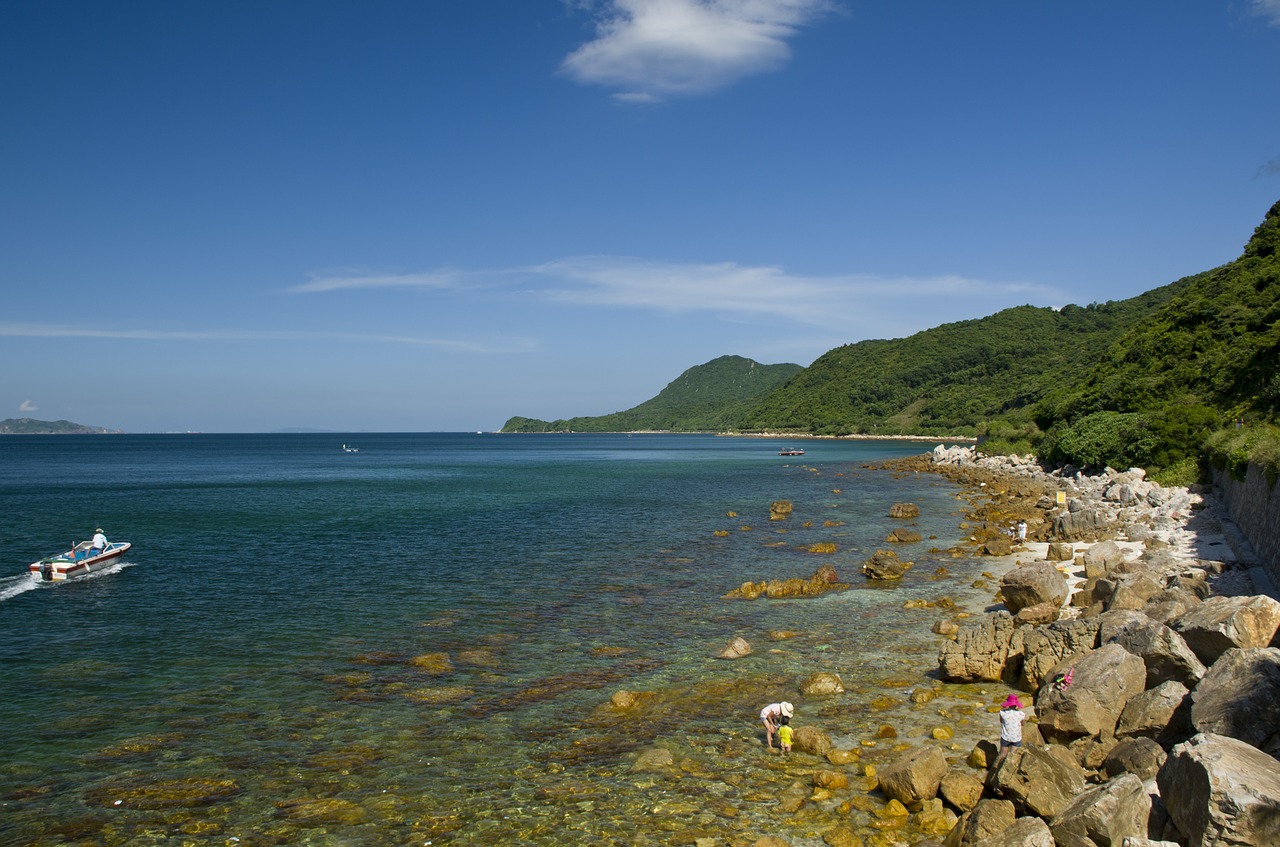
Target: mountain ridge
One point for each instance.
(31, 426)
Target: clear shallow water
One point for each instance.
(418, 642)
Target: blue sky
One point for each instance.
(429, 216)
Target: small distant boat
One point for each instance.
(791, 451)
(347, 448)
(78, 561)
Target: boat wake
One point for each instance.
(12, 586)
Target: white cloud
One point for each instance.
(28, 406)
(496, 345)
(861, 301)
(652, 49)
(851, 306)
(356, 279)
(1268, 9)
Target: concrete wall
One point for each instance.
(1255, 507)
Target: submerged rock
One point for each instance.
(904, 511)
(735, 649)
(885, 564)
(822, 683)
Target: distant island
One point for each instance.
(31, 426)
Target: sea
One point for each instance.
(447, 638)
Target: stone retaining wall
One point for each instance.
(1255, 507)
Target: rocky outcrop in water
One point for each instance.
(823, 580)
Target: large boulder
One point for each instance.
(960, 789)
(1080, 523)
(1133, 590)
(1037, 615)
(914, 776)
(1102, 558)
(1220, 623)
(1030, 585)
(1141, 757)
(1038, 782)
(1240, 697)
(1170, 604)
(1102, 683)
(987, 820)
(979, 652)
(1059, 551)
(1045, 647)
(1221, 791)
(1162, 713)
(1024, 832)
(810, 739)
(1164, 651)
(1104, 815)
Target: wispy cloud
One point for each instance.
(501, 345)
(1269, 9)
(653, 49)
(746, 292)
(851, 306)
(28, 406)
(335, 281)
(1271, 167)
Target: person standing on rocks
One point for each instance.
(1011, 718)
(771, 716)
(1022, 532)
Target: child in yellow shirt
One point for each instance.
(785, 735)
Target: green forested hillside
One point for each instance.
(705, 398)
(1143, 381)
(1217, 344)
(950, 379)
(1209, 355)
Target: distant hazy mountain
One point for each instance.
(31, 426)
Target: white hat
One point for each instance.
(787, 709)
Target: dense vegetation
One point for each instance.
(31, 426)
(950, 379)
(1151, 381)
(705, 398)
(1210, 355)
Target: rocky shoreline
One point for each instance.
(1166, 736)
(1168, 732)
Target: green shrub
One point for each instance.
(1233, 449)
(1116, 439)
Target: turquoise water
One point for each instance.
(418, 642)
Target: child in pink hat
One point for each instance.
(1011, 717)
